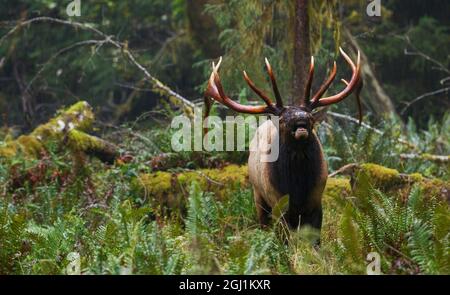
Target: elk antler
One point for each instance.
(274, 84)
(309, 81)
(215, 91)
(351, 86)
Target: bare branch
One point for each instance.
(158, 85)
(367, 126)
(417, 52)
(57, 54)
(345, 170)
(424, 156)
(427, 157)
(53, 20)
(422, 97)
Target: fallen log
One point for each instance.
(441, 159)
(69, 127)
(169, 190)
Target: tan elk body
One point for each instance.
(300, 171)
(267, 193)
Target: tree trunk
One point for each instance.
(25, 96)
(302, 51)
(203, 28)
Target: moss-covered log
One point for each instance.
(391, 181)
(171, 189)
(68, 127)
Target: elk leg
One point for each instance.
(313, 219)
(263, 210)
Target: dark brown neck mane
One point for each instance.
(296, 173)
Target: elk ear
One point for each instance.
(320, 115)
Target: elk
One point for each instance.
(300, 170)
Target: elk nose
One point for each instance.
(301, 133)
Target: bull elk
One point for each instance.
(300, 170)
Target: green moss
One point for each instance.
(154, 184)
(416, 177)
(436, 188)
(72, 121)
(170, 189)
(336, 190)
(219, 181)
(379, 175)
(165, 187)
(81, 141)
(30, 145)
(390, 181)
(369, 176)
(79, 116)
(337, 187)
(8, 149)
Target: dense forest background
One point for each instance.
(407, 48)
(113, 192)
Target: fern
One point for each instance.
(11, 243)
(400, 230)
(421, 246)
(203, 212)
(351, 240)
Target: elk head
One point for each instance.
(296, 122)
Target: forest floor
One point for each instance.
(66, 207)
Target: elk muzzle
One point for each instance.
(301, 133)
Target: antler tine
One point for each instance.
(217, 81)
(350, 87)
(309, 82)
(215, 90)
(325, 85)
(274, 84)
(256, 90)
(358, 99)
(211, 89)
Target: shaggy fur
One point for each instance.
(300, 171)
